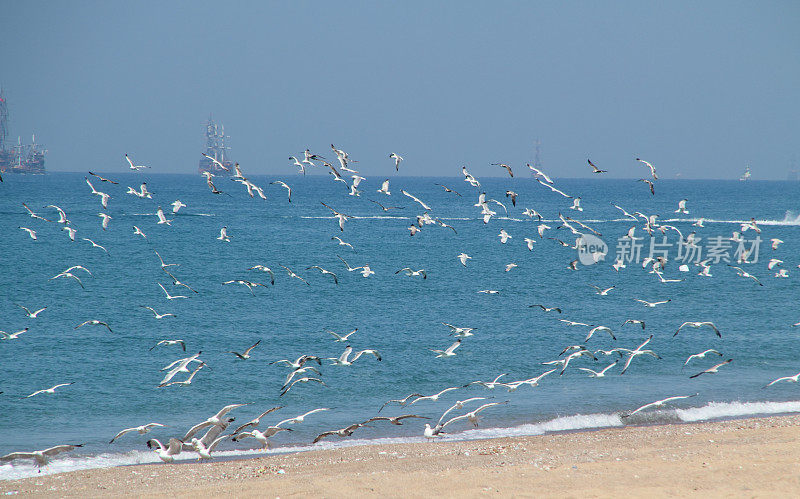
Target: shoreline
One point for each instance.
(753, 456)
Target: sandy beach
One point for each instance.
(749, 457)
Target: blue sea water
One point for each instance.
(115, 374)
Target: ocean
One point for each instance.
(115, 374)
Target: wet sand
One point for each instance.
(736, 458)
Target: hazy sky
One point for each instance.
(698, 88)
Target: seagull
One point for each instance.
(601, 291)
(775, 242)
(511, 266)
(62, 216)
(50, 390)
(216, 162)
(342, 360)
(652, 188)
(638, 351)
(711, 370)
(447, 189)
(402, 401)
(425, 206)
(386, 208)
(697, 325)
(449, 352)
(435, 396)
(263, 268)
(301, 418)
(486, 384)
(170, 297)
(741, 272)
(701, 355)
(185, 382)
(413, 273)
(594, 168)
(652, 304)
(102, 179)
(791, 379)
(682, 208)
(34, 215)
(298, 164)
(489, 291)
(215, 420)
(652, 169)
(335, 279)
(132, 166)
(169, 342)
(223, 234)
(385, 188)
(508, 168)
(397, 159)
(341, 338)
(463, 257)
(292, 274)
(12, 336)
(248, 284)
(340, 216)
(503, 235)
(596, 374)
(246, 354)
(342, 243)
(396, 420)
(538, 173)
(40, 456)
(165, 265)
(657, 403)
(553, 189)
(469, 178)
(343, 432)
(460, 332)
(599, 328)
(94, 244)
(573, 323)
(261, 437)
(30, 232)
(71, 232)
(473, 416)
(255, 422)
(285, 186)
(145, 428)
(166, 454)
(137, 231)
(70, 275)
(634, 321)
(546, 309)
(297, 364)
(179, 366)
(774, 262)
(94, 322)
(305, 379)
(177, 205)
(576, 204)
(32, 315)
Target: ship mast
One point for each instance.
(3, 120)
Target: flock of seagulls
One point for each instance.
(308, 369)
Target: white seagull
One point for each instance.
(657, 403)
(145, 428)
(132, 166)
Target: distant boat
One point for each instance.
(746, 174)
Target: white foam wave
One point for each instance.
(712, 410)
(717, 410)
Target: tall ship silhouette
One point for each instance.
(215, 148)
(19, 157)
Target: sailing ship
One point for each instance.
(215, 148)
(746, 175)
(19, 158)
